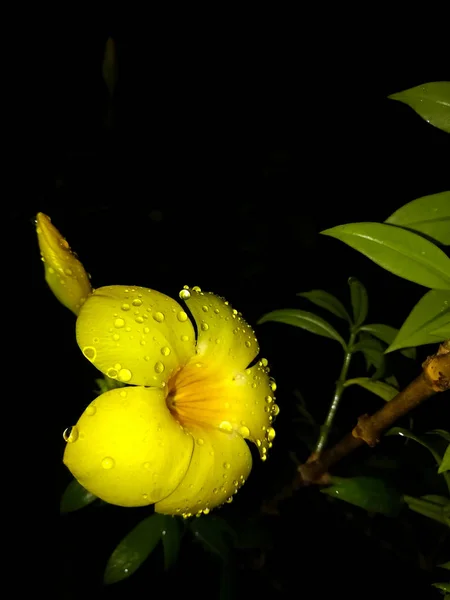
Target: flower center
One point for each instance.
(196, 394)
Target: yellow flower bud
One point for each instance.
(64, 273)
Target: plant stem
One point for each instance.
(339, 390)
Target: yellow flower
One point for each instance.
(64, 273)
(175, 436)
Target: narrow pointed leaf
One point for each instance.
(392, 380)
(304, 320)
(215, 534)
(328, 302)
(381, 389)
(429, 215)
(408, 434)
(445, 464)
(442, 433)
(171, 539)
(445, 565)
(431, 101)
(431, 510)
(431, 313)
(134, 549)
(75, 497)
(445, 586)
(373, 352)
(387, 334)
(372, 494)
(435, 499)
(360, 301)
(399, 251)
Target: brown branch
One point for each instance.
(435, 377)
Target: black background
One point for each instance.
(225, 161)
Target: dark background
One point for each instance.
(222, 165)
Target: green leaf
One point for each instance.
(445, 464)
(445, 565)
(215, 534)
(429, 215)
(442, 433)
(75, 497)
(431, 510)
(372, 494)
(392, 380)
(381, 389)
(360, 301)
(134, 549)
(408, 434)
(399, 251)
(171, 539)
(431, 101)
(431, 312)
(328, 302)
(434, 499)
(373, 352)
(387, 334)
(442, 586)
(304, 320)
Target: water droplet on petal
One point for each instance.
(112, 373)
(205, 308)
(271, 434)
(124, 375)
(273, 385)
(200, 441)
(226, 465)
(90, 410)
(165, 351)
(137, 302)
(275, 410)
(159, 367)
(146, 330)
(206, 511)
(244, 431)
(159, 317)
(139, 319)
(268, 399)
(182, 316)
(116, 337)
(70, 435)
(226, 426)
(197, 289)
(118, 323)
(108, 462)
(205, 326)
(185, 294)
(184, 338)
(68, 272)
(248, 344)
(125, 306)
(90, 353)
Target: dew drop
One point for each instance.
(217, 311)
(226, 426)
(268, 399)
(230, 500)
(205, 308)
(206, 511)
(271, 434)
(70, 434)
(258, 443)
(90, 353)
(185, 294)
(124, 393)
(182, 316)
(51, 270)
(200, 441)
(137, 302)
(159, 367)
(146, 330)
(165, 351)
(184, 338)
(139, 319)
(112, 373)
(273, 385)
(143, 342)
(147, 358)
(275, 410)
(147, 466)
(118, 323)
(108, 463)
(197, 289)
(159, 317)
(244, 431)
(248, 343)
(264, 362)
(264, 457)
(215, 491)
(125, 306)
(90, 410)
(124, 375)
(68, 272)
(116, 337)
(226, 465)
(205, 326)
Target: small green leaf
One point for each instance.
(445, 565)
(431, 101)
(304, 320)
(372, 494)
(381, 389)
(373, 352)
(431, 510)
(399, 251)
(387, 334)
(435, 499)
(442, 586)
(445, 464)
(408, 434)
(432, 311)
(442, 433)
(429, 215)
(75, 497)
(171, 539)
(134, 549)
(215, 534)
(328, 302)
(360, 301)
(392, 380)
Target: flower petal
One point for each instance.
(64, 273)
(127, 449)
(220, 464)
(205, 394)
(136, 335)
(223, 335)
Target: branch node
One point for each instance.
(365, 431)
(436, 368)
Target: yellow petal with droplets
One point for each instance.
(134, 334)
(223, 335)
(207, 394)
(127, 449)
(220, 464)
(64, 273)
